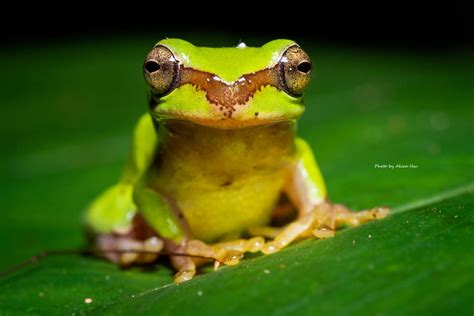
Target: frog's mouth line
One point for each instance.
(176, 123)
(221, 123)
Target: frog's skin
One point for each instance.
(213, 157)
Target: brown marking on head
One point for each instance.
(226, 96)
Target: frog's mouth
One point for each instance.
(188, 129)
(258, 111)
(229, 123)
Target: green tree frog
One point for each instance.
(217, 159)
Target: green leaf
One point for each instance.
(67, 116)
(409, 263)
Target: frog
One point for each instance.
(216, 169)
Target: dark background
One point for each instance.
(413, 25)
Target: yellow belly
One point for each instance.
(223, 181)
(212, 214)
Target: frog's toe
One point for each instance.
(276, 245)
(126, 251)
(230, 257)
(255, 244)
(291, 232)
(271, 247)
(322, 232)
(152, 247)
(345, 216)
(184, 275)
(380, 212)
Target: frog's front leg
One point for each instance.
(316, 215)
(160, 216)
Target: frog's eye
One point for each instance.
(161, 70)
(295, 70)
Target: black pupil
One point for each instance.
(304, 67)
(152, 66)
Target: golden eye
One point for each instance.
(295, 70)
(161, 70)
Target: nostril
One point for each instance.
(304, 67)
(152, 66)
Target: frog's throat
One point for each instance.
(227, 95)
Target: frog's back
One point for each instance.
(223, 181)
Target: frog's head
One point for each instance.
(226, 87)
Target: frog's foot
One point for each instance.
(196, 252)
(235, 249)
(137, 243)
(228, 252)
(322, 222)
(115, 248)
